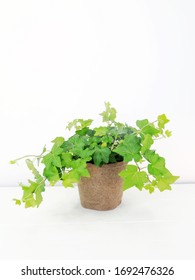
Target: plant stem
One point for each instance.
(143, 167)
(27, 156)
(137, 166)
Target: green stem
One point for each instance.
(27, 156)
(137, 166)
(143, 167)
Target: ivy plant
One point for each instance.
(109, 143)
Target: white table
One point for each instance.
(144, 226)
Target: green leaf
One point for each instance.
(150, 129)
(79, 166)
(100, 131)
(52, 159)
(17, 201)
(101, 155)
(162, 185)
(158, 168)
(75, 144)
(85, 131)
(12, 161)
(109, 115)
(35, 172)
(168, 133)
(86, 154)
(162, 120)
(107, 139)
(32, 194)
(79, 169)
(74, 175)
(149, 187)
(79, 124)
(68, 179)
(133, 177)
(129, 148)
(51, 173)
(58, 141)
(38, 194)
(169, 178)
(151, 156)
(142, 123)
(146, 143)
(66, 159)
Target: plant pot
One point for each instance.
(103, 189)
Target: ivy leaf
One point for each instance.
(31, 167)
(79, 166)
(162, 185)
(17, 201)
(79, 169)
(149, 187)
(142, 123)
(12, 161)
(100, 131)
(169, 178)
(57, 149)
(129, 148)
(133, 177)
(75, 144)
(38, 194)
(79, 124)
(101, 155)
(73, 124)
(157, 163)
(68, 179)
(86, 154)
(147, 128)
(109, 115)
(66, 159)
(168, 133)
(158, 168)
(85, 131)
(151, 156)
(51, 173)
(150, 129)
(107, 139)
(53, 157)
(162, 120)
(146, 143)
(32, 194)
(28, 199)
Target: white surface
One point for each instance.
(62, 59)
(158, 226)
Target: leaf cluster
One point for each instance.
(109, 143)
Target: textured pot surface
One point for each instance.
(103, 189)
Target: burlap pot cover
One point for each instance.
(103, 189)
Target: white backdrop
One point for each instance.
(61, 60)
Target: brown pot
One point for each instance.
(103, 189)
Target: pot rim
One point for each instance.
(106, 165)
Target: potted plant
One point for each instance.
(104, 161)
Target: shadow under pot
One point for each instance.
(103, 189)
